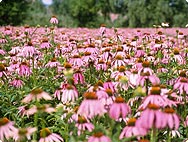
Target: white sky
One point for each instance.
(47, 2)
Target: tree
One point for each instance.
(12, 12)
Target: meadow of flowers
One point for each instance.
(93, 85)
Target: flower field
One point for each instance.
(93, 85)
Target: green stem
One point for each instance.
(35, 124)
(169, 136)
(153, 135)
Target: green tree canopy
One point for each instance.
(12, 12)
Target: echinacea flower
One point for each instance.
(54, 20)
(7, 129)
(53, 63)
(83, 124)
(99, 137)
(171, 119)
(132, 130)
(119, 109)
(102, 29)
(155, 97)
(69, 94)
(17, 83)
(47, 136)
(24, 69)
(36, 94)
(91, 106)
(152, 116)
(23, 134)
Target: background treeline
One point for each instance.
(91, 13)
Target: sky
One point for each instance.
(47, 2)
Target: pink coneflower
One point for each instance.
(171, 119)
(133, 78)
(106, 55)
(3, 40)
(109, 85)
(76, 61)
(155, 97)
(108, 99)
(178, 57)
(118, 61)
(182, 83)
(186, 121)
(15, 50)
(99, 137)
(24, 134)
(91, 106)
(45, 44)
(2, 52)
(151, 117)
(36, 94)
(102, 29)
(24, 69)
(53, 63)
(47, 136)
(7, 129)
(146, 73)
(120, 72)
(25, 110)
(83, 124)
(3, 70)
(70, 93)
(139, 52)
(119, 109)
(132, 130)
(17, 83)
(101, 65)
(54, 20)
(78, 77)
(28, 50)
(88, 57)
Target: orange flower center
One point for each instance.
(98, 134)
(155, 90)
(3, 121)
(146, 64)
(153, 106)
(45, 132)
(169, 110)
(121, 69)
(36, 91)
(109, 92)
(81, 119)
(131, 122)
(2, 67)
(90, 95)
(119, 57)
(67, 65)
(119, 99)
(182, 74)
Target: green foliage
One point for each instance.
(91, 13)
(12, 12)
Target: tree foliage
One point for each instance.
(91, 13)
(12, 12)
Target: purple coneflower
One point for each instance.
(99, 137)
(36, 94)
(54, 20)
(7, 130)
(132, 130)
(119, 109)
(91, 106)
(83, 124)
(24, 134)
(47, 136)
